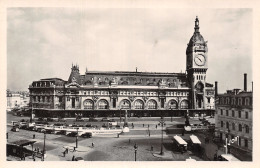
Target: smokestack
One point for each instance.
(245, 82)
(216, 88)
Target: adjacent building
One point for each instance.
(17, 99)
(234, 120)
(107, 93)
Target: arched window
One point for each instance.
(88, 104)
(240, 127)
(184, 104)
(102, 104)
(139, 104)
(152, 104)
(125, 104)
(233, 126)
(173, 104)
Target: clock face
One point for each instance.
(200, 60)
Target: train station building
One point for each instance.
(109, 93)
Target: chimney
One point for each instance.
(135, 69)
(245, 82)
(216, 88)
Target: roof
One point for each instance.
(23, 142)
(180, 140)
(135, 73)
(195, 139)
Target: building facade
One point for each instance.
(234, 121)
(17, 99)
(103, 93)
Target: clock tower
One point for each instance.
(196, 67)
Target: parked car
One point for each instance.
(79, 159)
(62, 132)
(15, 129)
(49, 119)
(87, 135)
(80, 120)
(72, 134)
(93, 120)
(105, 119)
(49, 131)
(40, 119)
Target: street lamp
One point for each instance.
(135, 147)
(162, 123)
(77, 138)
(43, 152)
(171, 113)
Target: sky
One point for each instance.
(44, 42)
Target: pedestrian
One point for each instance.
(74, 149)
(215, 157)
(64, 153)
(92, 144)
(156, 126)
(33, 136)
(151, 148)
(38, 149)
(73, 158)
(67, 150)
(143, 125)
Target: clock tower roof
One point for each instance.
(197, 37)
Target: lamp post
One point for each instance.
(135, 147)
(171, 113)
(43, 152)
(77, 138)
(162, 123)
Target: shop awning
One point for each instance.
(23, 142)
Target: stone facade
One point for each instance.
(234, 120)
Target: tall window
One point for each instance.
(221, 112)
(227, 125)
(172, 104)
(240, 127)
(102, 104)
(246, 115)
(208, 99)
(239, 114)
(247, 128)
(221, 123)
(233, 126)
(152, 104)
(246, 143)
(88, 104)
(184, 104)
(233, 113)
(60, 99)
(139, 104)
(226, 112)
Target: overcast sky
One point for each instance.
(44, 42)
